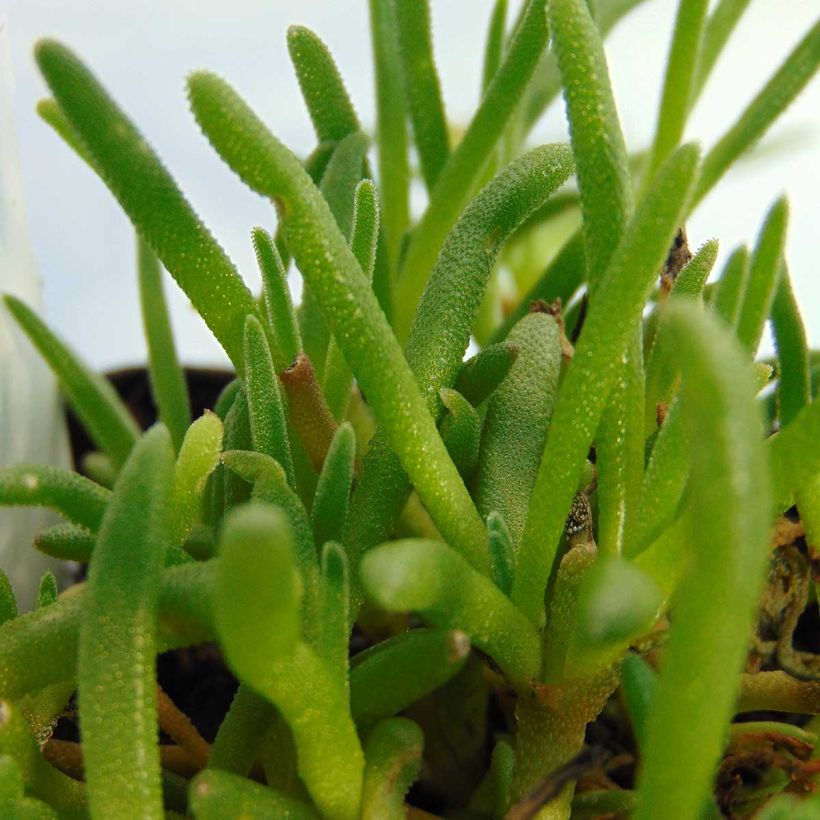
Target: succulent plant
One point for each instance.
(532, 582)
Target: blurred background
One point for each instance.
(143, 49)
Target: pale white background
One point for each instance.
(144, 48)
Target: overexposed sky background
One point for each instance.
(143, 50)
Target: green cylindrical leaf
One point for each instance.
(314, 704)
(584, 391)
(597, 142)
(240, 734)
(692, 279)
(230, 489)
(716, 602)
(270, 485)
(78, 499)
(119, 623)
(349, 305)
(334, 602)
(494, 46)
(100, 468)
(661, 377)
(39, 778)
(278, 306)
(50, 112)
(269, 432)
(429, 578)
(764, 272)
(47, 592)
(391, 675)
(546, 82)
(794, 385)
(445, 318)
(330, 503)
(168, 385)
(257, 583)
(198, 458)
(716, 34)
(364, 234)
(732, 285)
(458, 178)
(92, 398)
(391, 127)
(515, 428)
(67, 542)
(773, 99)
(217, 795)
(482, 373)
(421, 87)
(8, 603)
(638, 684)
(338, 187)
(341, 178)
(493, 793)
(794, 455)
(322, 87)
(502, 553)
(679, 81)
(616, 602)
(393, 755)
(39, 648)
(460, 430)
(150, 197)
(364, 229)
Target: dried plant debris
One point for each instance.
(785, 598)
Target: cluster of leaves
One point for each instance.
(359, 477)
